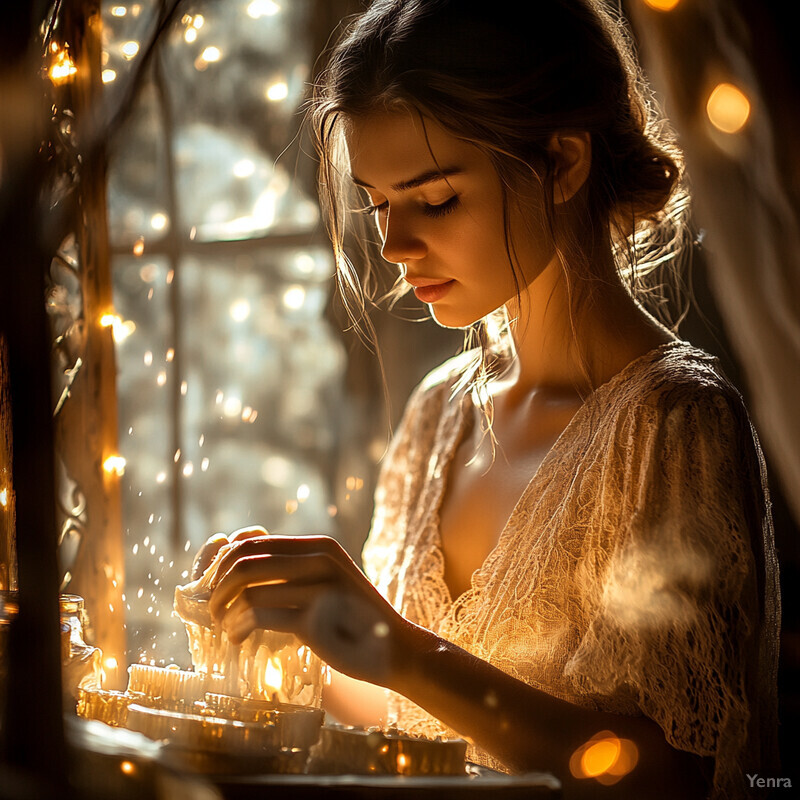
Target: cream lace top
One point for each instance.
(637, 573)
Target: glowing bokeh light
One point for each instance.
(728, 108)
(599, 757)
(277, 91)
(605, 757)
(63, 68)
(115, 465)
(232, 407)
(244, 168)
(127, 767)
(239, 310)
(211, 54)
(108, 75)
(262, 8)
(662, 5)
(294, 297)
(119, 330)
(130, 50)
(159, 221)
(190, 35)
(4, 498)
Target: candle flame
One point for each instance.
(273, 674)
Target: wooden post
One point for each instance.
(86, 431)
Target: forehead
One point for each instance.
(390, 147)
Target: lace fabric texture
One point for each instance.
(636, 575)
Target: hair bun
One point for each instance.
(647, 176)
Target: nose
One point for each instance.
(402, 239)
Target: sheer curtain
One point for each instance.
(744, 179)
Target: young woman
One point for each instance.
(571, 531)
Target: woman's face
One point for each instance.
(438, 205)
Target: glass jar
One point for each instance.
(81, 663)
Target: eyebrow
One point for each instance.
(430, 176)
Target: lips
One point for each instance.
(429, 291)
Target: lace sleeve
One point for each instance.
(397, 484)
(680, 619)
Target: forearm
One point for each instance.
(527, 729)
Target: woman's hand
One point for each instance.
(308, 586)
(208, 552)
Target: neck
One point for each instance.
(567, 347)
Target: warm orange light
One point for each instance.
(115, 465)
(600, 757)
(662, 5)
(120, 330)
(4, 498)
(403, 763)
(63, 68)
(605, 757)
(273, 674)
(127, 767)
(728, 108)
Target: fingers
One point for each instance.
(281, 545)
(268, 570)
(207, 553)
(248, 533)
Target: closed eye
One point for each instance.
(441, 209)
(428, 209)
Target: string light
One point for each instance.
(4, 497)
(115, 465)
(63, 68)
(119, 330)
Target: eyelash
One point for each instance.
(440, 210)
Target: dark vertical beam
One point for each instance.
(32, 735)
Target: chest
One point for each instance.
(483, 488)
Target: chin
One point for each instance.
(455, 319)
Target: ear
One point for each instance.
(572, 157)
